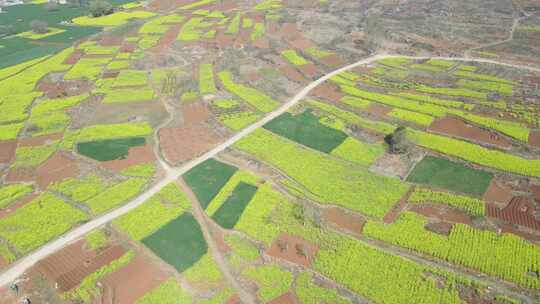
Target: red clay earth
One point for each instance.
(111, 41)
(332, 60)
(234, 299)
(328, 92)
(290, 31)
(243, 38)
(519, 211)
(21, 175)
(66, 268)
(218, 236)
(223, 40)
(287, 298)
(443, 228)
(167, 39)
(535, 191)
(110, 74)
(310, 70)
(16, 205)
(131, 282)
(441, 212)
(186, 142)
(7, 150)
(74, 57)
(57, 168)
(136, 155)
(128, 47)
(458, 128)
(393, 214)
(534, 139)
(377, 109)
(40, 140)
(509, 228)
(261, 43)
(293, 249)
(292, 73)
(64, 88)
(497, 194)
(194, 113)
(348, 221)
(301, 43)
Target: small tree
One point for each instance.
(51, 6)
(100, 8)
(397, 141)
(39, 27)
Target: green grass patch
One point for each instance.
(252, 96)
(358, 152)
(169, 292)
(230, 211)
(238, 120)
(109, 131)
(272, 280)
(306, 129)
(446, 174)
(11, 193)
(207, 84)
(141, 170)
(33, 156)
(116, 195)
(206, 179)
(310, 293)
(294, 58)
(180, 242)
(128, 78)
(472, 206)
(111, 149)
(81, 189)
(11, 131)
(128, 95)
(234, 26)
(258, 31)
(115, 19)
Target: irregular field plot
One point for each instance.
(179, 243)
(445, 174)
(106, 150)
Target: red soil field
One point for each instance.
(443, 228)
(497, 194)
(234, 299)
(332, 60)
(289, 31)
(168, 38)
(187, 142)
(287, 298)
(293, 249)
(128, 47)
(377, 109)
(261, 43)
(348, 221)
(194, 113)
(456, 127)
(391, 216)
(301, 43)
(136, 155)
(223, 40)
(57, 168)
(110, 40)
(243, 38)
(292, 73)
(131, 282)
(40, 140)
(327, 91)
(535, 190)
(66, 268)
(110, 74)
(310, 70)
(218, 236)
(519, 211)
(7, 150)
(21, 175)
(442, 213)
(74, 57)
(534, 139)
(64, 88)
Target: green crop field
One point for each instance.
(445, 174)
(179, 242)
(104, 150)
(230, 211)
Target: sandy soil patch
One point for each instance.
(136, 155)
(74, 57)
(342, 219)
(57, 168)
(40, 140)
(287, 298)
(293, 249)
(377, 109)
(187, 142)
(292, 73)
(534, 139)
(519, 211)
(131, 282)
(497, 194)
(7, 150)
(328, 92)
(458, 128)
(441, 212)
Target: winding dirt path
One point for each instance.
(173, 173)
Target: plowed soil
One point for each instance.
(377, 109)
(167, 39)
(184, 143)
(7, 151)
(57, 168)
(21, 175)
(287, 298)
(64, 88)
(327, 91)
(223, 40)
(261, 43)
(136, 155)
(391, 216)
(458, 128)
(442, 213)
(301, 43)
(534, 139)
(111, 40)
(293, 249)
(292, 73)
(40, 140)
(498, 195)
(332, 60)
(195, 113)
(350, 222)
(234, 299)
(310, 70)
(74, 57)
(519, 211)
(129, 283)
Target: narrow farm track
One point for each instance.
(201, 218)
(172, 174)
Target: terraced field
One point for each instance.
(224, 152)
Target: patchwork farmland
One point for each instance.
(180, 151)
